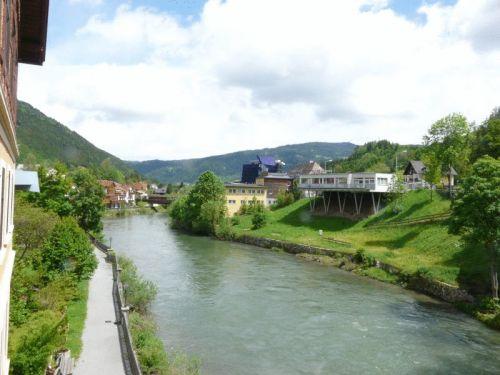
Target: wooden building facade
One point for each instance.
(23, 33)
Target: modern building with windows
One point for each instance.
(351, 194)
(23, 31)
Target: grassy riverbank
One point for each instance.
(408, 247)
(422, 248)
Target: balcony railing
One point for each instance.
(364, 186)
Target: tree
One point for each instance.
(432, 173)
(33, 225)
(87, 200)
(108, 171)
(203, 207)
(486, 137)
(68, 251)
(55, 186)
(397, 191)
(448, 141)
(476, 211)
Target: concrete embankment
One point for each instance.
(433, 288)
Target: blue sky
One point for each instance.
(172, 79)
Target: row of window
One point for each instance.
(243, 201)
(246, 191)
(358, 181)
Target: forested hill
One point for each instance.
(43, 140)
(228, 166)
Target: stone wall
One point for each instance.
(433, 288)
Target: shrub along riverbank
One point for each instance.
(153, 358)
(424, 249)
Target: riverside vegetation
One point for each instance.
(54, 263)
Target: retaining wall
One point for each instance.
(433, 288)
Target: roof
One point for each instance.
(277, 176)
(267, 160)
(452, 171)
(27, 179)
(33, 31)
(307, 168)
(417, 165)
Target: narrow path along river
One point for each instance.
(246, 310)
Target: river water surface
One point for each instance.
(246, 310)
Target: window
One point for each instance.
(316, 180)
(231, 201)
(243, 191)
(358, 181)
(243, 201)
(382, 181)
(342, 180)
(330, 180)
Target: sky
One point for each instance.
(174, 79)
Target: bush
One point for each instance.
(362, 258)
(284, 199)
(33, 343)
(235, 220)
(151, 352)
(224, 230)
(68, 250)
(259, 220)
(139, 293)
(56, 294)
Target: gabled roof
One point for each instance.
(452, 171)
(417, 165)
(33, 31)
(307, 168)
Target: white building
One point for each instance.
(356, 188)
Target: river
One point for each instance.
(246, 310)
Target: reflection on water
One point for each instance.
(245, 310)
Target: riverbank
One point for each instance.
(421, 256)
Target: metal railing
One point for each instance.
(130, 360)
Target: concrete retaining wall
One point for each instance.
(433, 288)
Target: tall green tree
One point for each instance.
(33, 225)
(485, 139)
(87, 200)
(433, 171)
(203, 207)
(476, 211)
(448, 141)
(55, 186)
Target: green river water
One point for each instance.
(246, 310)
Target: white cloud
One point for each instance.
(264, 73)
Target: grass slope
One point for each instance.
(45, 140)
(410, 247)
(228, 166)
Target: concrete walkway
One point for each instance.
(101, 346)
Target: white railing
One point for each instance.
(364, 186)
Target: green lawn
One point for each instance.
(76, 313)
(409, 247)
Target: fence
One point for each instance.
(130, 361)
